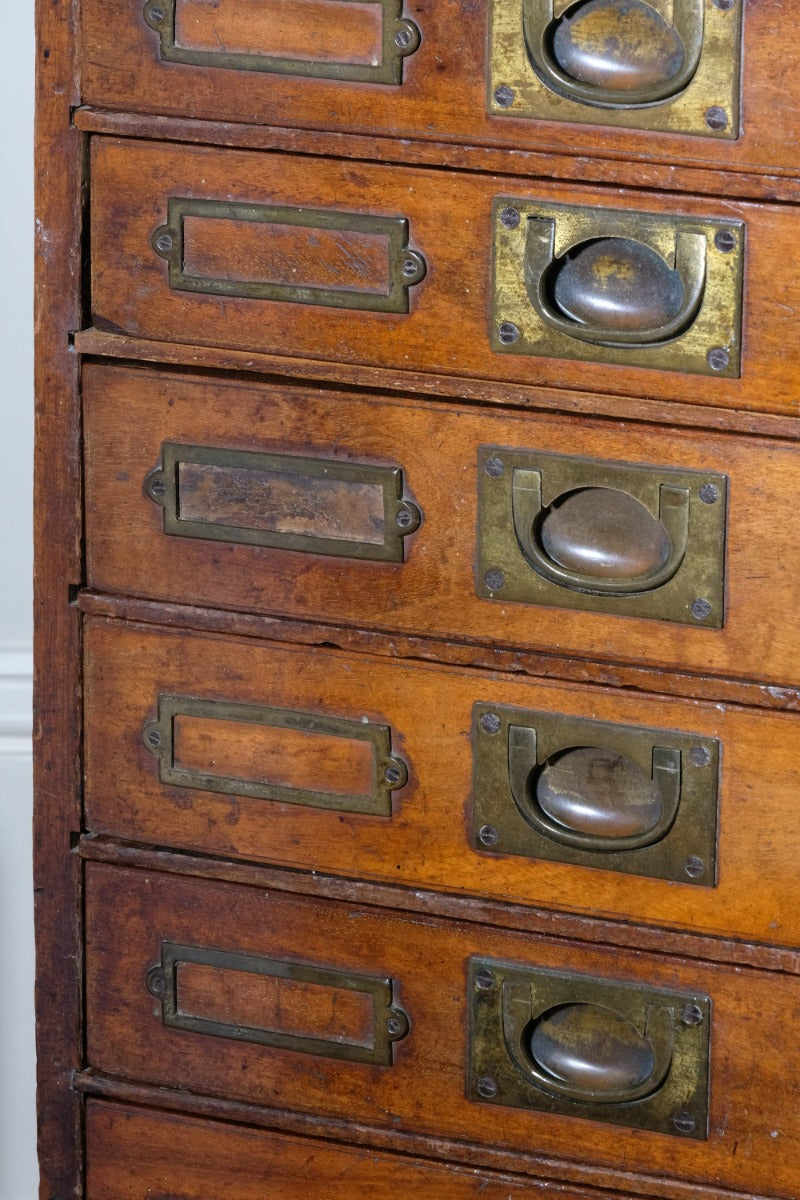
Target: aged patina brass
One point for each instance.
(519, 489)
(669, 286)
(662, 65)
(578, 1046)
(634, 799)
(255, 476)
(390, 1023)
(404, 267)
(400, 37)
(389, 771)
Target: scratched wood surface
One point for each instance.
(433, 591)
(428, 840)
(754, 1134)
(450, 221)
(443, 94)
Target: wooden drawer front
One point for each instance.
(219, 773)
(442, 456)
(448, 80)
(132, 915)
(246, 250)
(134, 1155)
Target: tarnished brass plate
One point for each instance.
(535, 242)
(702, 98)
(389, 1023)
(516, 489)
(512, 748)
(635, 1055)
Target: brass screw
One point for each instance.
(683, 1122)
(486, 1087)
(718, 358)
(694, 866)
(716, 118)
(488, 835)
(510, 218)
(490, 723)
(701, 609)
(504, 96)
(507, 333)
(494, 580)
(700, 756)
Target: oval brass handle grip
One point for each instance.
(613, 53)
(614, 291)
(595, 790)
(590, 534)
(584, 1051)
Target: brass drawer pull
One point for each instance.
(282, 501)
(614, 52)
(618, 544)
(594, 1048)
(301, 747)
(222, 993)
(364, 41)
(288, 254)
(615, 286)
(596, 794)
(607, 537)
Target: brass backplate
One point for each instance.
(707, 106)
(506, 998)
(693, 596)
(686, 849)
(710, 343)
(389, 1023)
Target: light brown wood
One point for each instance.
(753, 1074)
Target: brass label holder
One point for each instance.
(702, 99)
(517, 487)
(390, 1023)
(389, 771)
(531, 242)
(507, 1002)
(511, 747)
(400, 37)
(404, 267)
(400, 516)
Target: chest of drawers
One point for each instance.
(417, 735)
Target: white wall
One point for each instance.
(18, 1173)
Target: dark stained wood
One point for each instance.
(56, 722)
(443, 95)
(435, 589)
(427, 840)
(754, 1088)
(449, 220)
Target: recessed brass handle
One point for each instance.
(591, 798)
(613, 53)
(614, 291)
(600, 540)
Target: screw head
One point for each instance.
(692, 1015)
(504, 96)
(507, 333)
(156, 13)
(683, 1122)
(410, 267)
(716, 118)
(403, 518)
(164, 242)
(694, 866)
(510, 218)
(402, 38)
(488, 835)
(701, 609)
(494, 467)
(709, 494)
(156, 982)
(718, 358)
(490, 723)
(700, 756)
(392, 774)
(157, 487)
(486, 1087)
(484, 980)
(494, 580)
(394, 1026)
(725, 240)
(724, 5)
(153, 737)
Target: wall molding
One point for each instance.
(16, 684)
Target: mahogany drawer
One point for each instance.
(437, 582)
(134, 1154)
(241, 61)
(425, 776)
(360, 1014)
(248, 250)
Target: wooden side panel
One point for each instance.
(428, 840)
(443, 94)
(754, 1136)
(134, 1155)
(434, 590)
